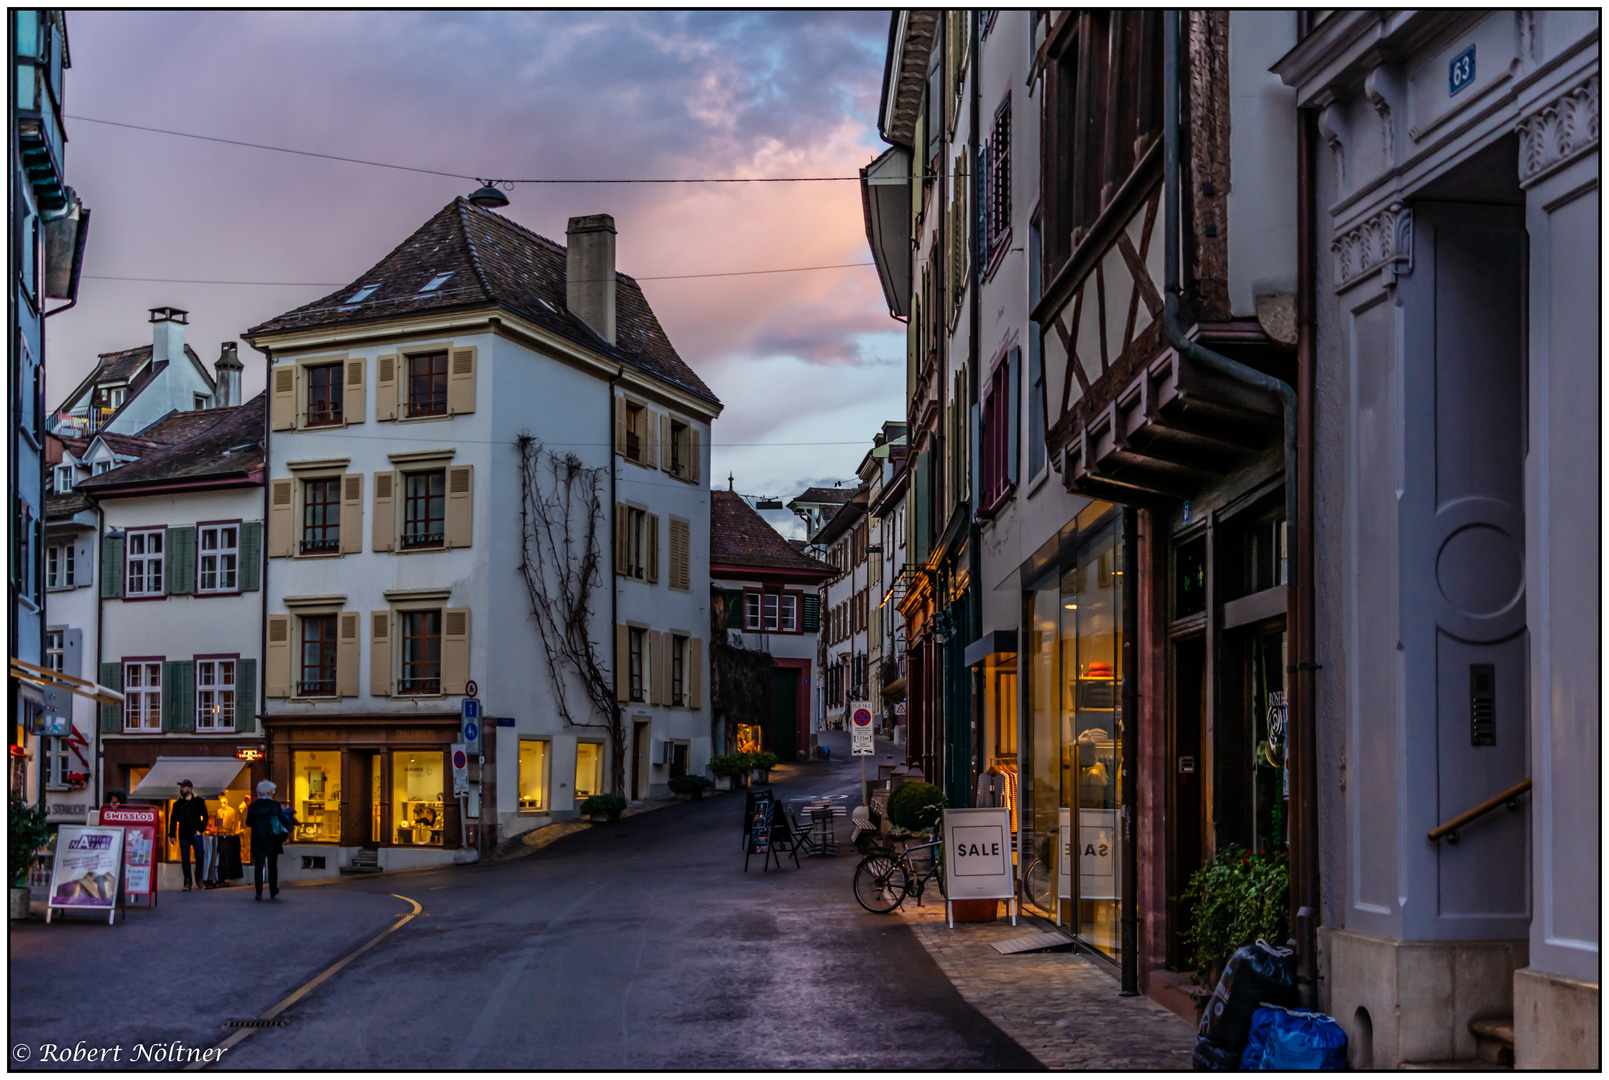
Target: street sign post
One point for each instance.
(469, 721)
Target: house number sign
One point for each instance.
(1461, 71)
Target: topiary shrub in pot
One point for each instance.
(691, 786)
(762, 762)
(908, 806)
(29, 832)
(730, 768)
(603, 807)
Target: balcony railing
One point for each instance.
(422, 539)
(419, 686)
(321, 547)
(316, 688)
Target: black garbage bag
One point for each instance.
(1256, 975)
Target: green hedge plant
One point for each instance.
(694, 786)
(906, 806)
(764, 760)
(608, 805)
(731, 765)
(29, 832)
(1234, 900)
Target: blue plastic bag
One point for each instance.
(1255, 975)
(1287, 1039)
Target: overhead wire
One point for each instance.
(340, 284)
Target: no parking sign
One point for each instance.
(860, 729)
(460, 770)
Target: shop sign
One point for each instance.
(460, 770)
(139, 847)
(249, 753)
(977, 856)
(1097, 854)
(84, 876)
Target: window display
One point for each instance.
(588, 770)
(316, 795)
(416, 791)
(533, 774)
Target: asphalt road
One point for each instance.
(639, 945)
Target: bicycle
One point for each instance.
(886, 877)
(1036, 885)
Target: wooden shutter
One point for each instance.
(460, 505)
(352, 398)
(734, 609)
(812, 613)
(454, 650)
(1013, 414)
(112, 679)
(112, 568)
(667, 452)
(179, 696)
(695, 673)
(653, 643)
(622, 539)
(380, 653)
(245, 696)
(284, 406)
(72, 652)
(179, 560)
(346, 655)
(694, 460)
(351, 513)
(251, 556)
(620, 426)
(277, 660)
(653, 548)
(622, 662)
(385, 510)
(461, 380)
(650, 450)
(680, 571)
(281, 514)
(385, 388)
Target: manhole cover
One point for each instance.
(257, 1022)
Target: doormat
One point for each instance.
(1052, 942)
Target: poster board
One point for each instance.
(1097, 854)
(760, 829)
(141, 825)
(86, 871)
(977, 857)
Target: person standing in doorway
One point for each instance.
(189, 821)
(270, 825)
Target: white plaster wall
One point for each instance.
(1262, 160)
(76, 608)
(174, 387)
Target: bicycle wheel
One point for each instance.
(1036, 886)
(880, 884)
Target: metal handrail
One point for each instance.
(1449, 829)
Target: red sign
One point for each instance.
(863, 717)
(470, 689)
(249, 753)
(141, 824)
(459, 760)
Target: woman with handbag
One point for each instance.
(270, 825)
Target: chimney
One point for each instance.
(228, 369)
(590, 273)
(167, 333)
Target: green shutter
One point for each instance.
(112, 679)
(179, 696)
(112, 571)
(734, 609)
(812, 613)
(179, 558)
(251, 556)
(246, 695)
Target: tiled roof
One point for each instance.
(853, 509)
(178, 426)
(132, 445)
(824, 495)
(123, 364)
(739, 536)
(62, 507)
(493, 260)
(231, 447)
(132, 366)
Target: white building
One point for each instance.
(131, 389)
(396, 549)
(845, 608)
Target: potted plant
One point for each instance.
(763, 762)
(29, 832)
(691, 786)
(1234, 900)
(729, 769)
(603, 808)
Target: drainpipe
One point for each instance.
(1131, 751)
(614, 578)
(1233, 369)
(974, 627)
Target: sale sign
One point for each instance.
(85, 872)
(142, 825)
(977, 855)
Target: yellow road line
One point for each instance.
(312, 984)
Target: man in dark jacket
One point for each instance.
(189, 821)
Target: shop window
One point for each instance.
(219, 559)
(425, 509)
(421, 653)
(1190, 578)
(142, 696)
(416, 791)
(533, 774)
(588, 770)
(316, 791)
(215, 695)
(321, 516)
(142, 573)
(325, 384)
(427, 384)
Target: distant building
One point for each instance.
(131, 389)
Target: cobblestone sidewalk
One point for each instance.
(1060, 1007)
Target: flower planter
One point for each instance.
(762, 776)
(19, 902)
(723, 783)
(603, 819)
(975, 910)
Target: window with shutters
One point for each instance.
(421, 652)
(427, 384)
(325, 386)
(142, 695)
(997, 199)
(678, 670)
(680, 553)
(636, 431)
(637, 543)
(317, 676)
(788, 613)
(218, 558)
(424, 509)
(995, 439)
(215, 694)
(61, 565)
(321, 516)
(142, 568)
(55, 650)
(637, 640)
(681, 450)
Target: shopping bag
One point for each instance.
(1288, 1039)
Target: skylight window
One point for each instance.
(435, 283)
(358, 297)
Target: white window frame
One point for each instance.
(770, 611)
(65, 475)
(226, 559)
(788, 613)
(56, 650)
(140, 692)
(57, 763)
(105, 465)
(150, 562)
(213, 692)
(751, 611)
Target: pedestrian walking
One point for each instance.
(189, 821)
(270, 825)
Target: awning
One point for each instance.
(894, 691)
(992, 643)
(209, 776)
(58, 682)
(885, 195)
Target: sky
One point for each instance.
(808, 364)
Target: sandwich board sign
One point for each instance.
(860, 732)
(977, 857)
(84, 876)
(141, 825)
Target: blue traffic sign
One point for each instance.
(469, 724)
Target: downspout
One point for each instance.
(1233, 369)
(614, 578)
(974, 628)
(1131, 752)
(100, 608)
(260, 691)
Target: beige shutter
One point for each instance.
(461, 380)
(385, 388)
(351, 513)
(385, 510)
(352, 399)
(346, 656)
(284, 410)
(654, 642)
(622, 662)
(695, 673)
(281, 512)
(277, 664)
(653, 548)
(651, 452)
(666, 438)
(454, 650)
(380, 653)
(694, 466)
(622, 539)
(680, 567)
(460, 505)
(620, 426)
